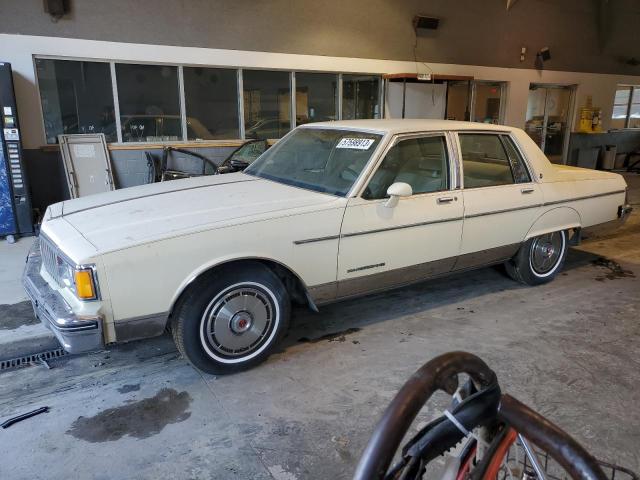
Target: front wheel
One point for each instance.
(539, 259)
(231, 319)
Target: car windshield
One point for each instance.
(323, 160)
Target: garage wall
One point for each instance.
(584, 35)
(20, 50)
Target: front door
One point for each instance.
(501, 201)
(383, 246)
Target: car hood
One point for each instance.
(138, 215)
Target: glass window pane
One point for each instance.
(636, 95)
(458, 101)
(487, 103)
(620, 111)
(484, 161)
(316, 97)
(77, 97)
(518, 167)
(420, 162)
(211, 101)
(149, 104)
(266, 103)
(323, 160)
(622, 96)
(360, 97)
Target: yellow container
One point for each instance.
(586, 117)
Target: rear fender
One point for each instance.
(560, 218)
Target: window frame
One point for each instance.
(499, 134)
(630, 103)
(181, 94)
(181, 103)
(114, 89)
(502, 84)
(507, 138)
(452, 160)
(472, 98)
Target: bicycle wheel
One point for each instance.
(531, 447)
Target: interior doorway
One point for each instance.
(549, 118)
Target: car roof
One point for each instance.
(395, 126)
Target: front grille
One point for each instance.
(49, 258)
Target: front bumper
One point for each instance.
(76, 333)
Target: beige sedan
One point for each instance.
(334, 210)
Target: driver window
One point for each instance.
(420, 162)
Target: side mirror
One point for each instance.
(397, 190)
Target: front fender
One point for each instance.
(220, 261)
(559, 218)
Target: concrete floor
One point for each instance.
(570, 349)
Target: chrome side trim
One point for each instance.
(377, 230)
(400, 227)
(140, 327)
(504, 210)
(455, 219)
(546, 204)
(313, 240)
(586, 197)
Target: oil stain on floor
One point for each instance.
(330, 337)
(140, 419)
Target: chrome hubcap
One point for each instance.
(241, 322)
(546, 251)
(238, 321)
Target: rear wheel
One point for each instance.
(231, 319)
(539, 259)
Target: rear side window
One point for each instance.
(489, 160)
(519, 168)
(420, 162)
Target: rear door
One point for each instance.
(501, 200)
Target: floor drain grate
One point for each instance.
(36, 358)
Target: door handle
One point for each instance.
(445, 200)
(525, 191)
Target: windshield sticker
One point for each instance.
(355, 143)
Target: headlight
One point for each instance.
(79, 280)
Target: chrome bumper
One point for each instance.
(624, 211)
(77, 334)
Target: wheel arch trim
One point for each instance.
(220, 262)
(553, 220)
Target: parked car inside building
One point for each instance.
(332, 211)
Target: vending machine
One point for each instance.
(15, 203)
